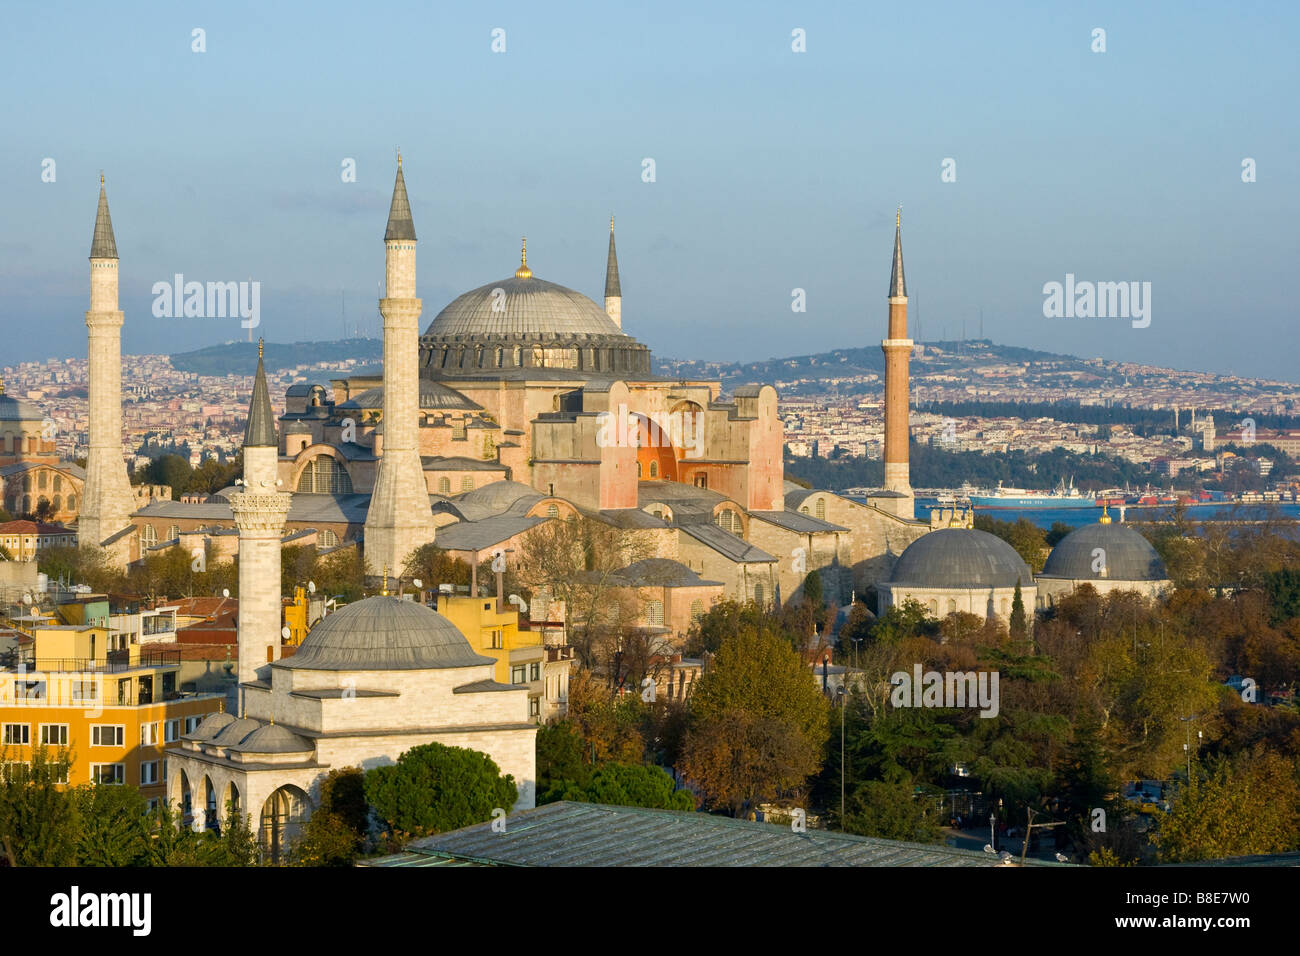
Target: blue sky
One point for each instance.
(775, 170)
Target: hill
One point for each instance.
(223, 359)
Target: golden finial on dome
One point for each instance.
(523, 272)
(101, 177)
(399, 157)
(898, 217)
(1105, 515)
(383, 588)
(259, 347)
(611, 223)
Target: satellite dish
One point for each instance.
(311, 587)
(518, 602)
(225, 592)
(285, 632)
(499, 562)
(417, 582)
(27, 598)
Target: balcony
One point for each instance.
(115, 662)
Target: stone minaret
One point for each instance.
(399, 519)
(898, 349)
(613, 293)
(260, 512)
(107, 501)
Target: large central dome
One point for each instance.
(524, 327)
(524, 307)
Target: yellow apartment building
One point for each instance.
(110, 712)
(522, 656)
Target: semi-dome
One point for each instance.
(1125, 555)
(960, 558)
(384, 633)
(529, 307)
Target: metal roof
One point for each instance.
(534, 308)
(1125, 555)
(484, 533)
(588, 834)
(102, 243)
(260, 432)
(400, 224)
(727, 544)
(897, 284)
(797, 522)
(960, 558)
(383, 632)
(612, 287)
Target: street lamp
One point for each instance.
(841, 693)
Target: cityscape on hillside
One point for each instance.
(546, 569)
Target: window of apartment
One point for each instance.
(108, 773)
(535, 671)
(534, 706)
(192, 722)
(84, 690)
(496, 639)
(148, 773)
(149, 734)
(153, 803)
(20, 734)
(519, 674)
(107, 735)
(172, 731)
(15, 770)
(54, 735)
(29, 690)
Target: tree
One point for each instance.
(758, 722)
(1019, 627)
(115, 824)
(432, 565)
(433, 788)
(38, 821)
(626, 785)
(890, 811)
(1244, 806)
(812, 589)
(336, 832)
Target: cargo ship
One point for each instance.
(1020, 499)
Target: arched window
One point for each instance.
(329, 539)
(58, 482)
(952, 606)
(212, 816)
(821, 509)
(697, 610)
(728, 520)
(1006, 607)
(58, 503)
(44, 480)
(654, 613)
(27, 482)
(552, 511)
(758, 594)
(325, 475)
(148, 536)
(654, 469)
(467, 484)
(638, 470)
(803, 510)
(72, 502)
(934, 607)
(444, 486)
(173, 532)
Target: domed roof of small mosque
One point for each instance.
(1125, 555)
(961, 558)
(384, 633)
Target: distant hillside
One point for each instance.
(852, 362)
(234, 357)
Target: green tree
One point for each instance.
(38, 820)
(115, 824)
(1244, 806)
(891, 811)
(627, 785)
(758, 722)
(812, 589)
(336, 833)
(562, 760)
(1019, 626)
(433, 788)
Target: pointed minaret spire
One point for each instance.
(897, 284)
(261, 417)
(613, 291)
(400, 224)
(103, 245)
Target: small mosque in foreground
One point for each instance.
(1106, 555)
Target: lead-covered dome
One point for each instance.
(384, 633)
(960, 558)
(527, 307)
(1117, 552)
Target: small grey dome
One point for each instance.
(384, 633)
(529, 307)
(273, 739)
(961, 558)
(235, 731)
(212, 725)
(1127, 555)
(15, 410)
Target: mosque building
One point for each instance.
(1105, 555)
(529, 385)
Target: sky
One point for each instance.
(774, 170)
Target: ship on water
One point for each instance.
(1019, 498)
